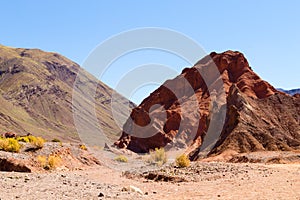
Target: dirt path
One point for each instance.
(235, 181)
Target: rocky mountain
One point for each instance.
(290, 92)
(36, 95)
(257, 117)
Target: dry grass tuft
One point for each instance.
(158, 157)
(182, 161)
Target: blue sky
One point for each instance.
(267, 32)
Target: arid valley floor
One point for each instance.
(202, 180)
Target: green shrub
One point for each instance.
(121, 158)
(56, 140)
(182, 161)
(158, 157)
(10, 145)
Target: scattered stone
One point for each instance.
(132, 188)
(101, 194)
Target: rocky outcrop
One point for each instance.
(270, 124)
(258, 117)
(13, 165)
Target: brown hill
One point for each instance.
(36, 95)
(256, 116)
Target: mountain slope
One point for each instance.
(258, 117)
(36, 94)
(290, 92)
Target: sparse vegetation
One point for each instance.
(158, 157)
(121, 158)
(36, 141)
(56, 140)
(42, 161)
(182, 161)
(23, 139)
(83, 147)
(52, 162)
(9, 144)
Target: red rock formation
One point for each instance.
(249, 100)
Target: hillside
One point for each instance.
(36, 90)
(258, 117)
(290, 92)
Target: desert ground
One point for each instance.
(202, 180)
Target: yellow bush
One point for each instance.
(3, 144)
(42, 160)
(83, 147)
(158, 156)
(36, 141)
(9, 144)
(54, 161)
(183, 161)
(121, 158)
(23, 139)
(51, 162)
(39, 142)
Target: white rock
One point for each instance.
(135, 189)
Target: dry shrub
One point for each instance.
(52, 162)
(121, 158)
(38, 142)
(83, 147)
(158, 156)
(182, 161)
(42, 161)
(9, 144)
(23, 139)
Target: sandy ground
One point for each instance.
(225, 181)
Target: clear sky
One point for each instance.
(267, 32)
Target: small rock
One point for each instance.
(101, 194)
(136, 189)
